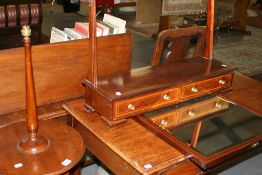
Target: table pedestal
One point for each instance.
(65, 150)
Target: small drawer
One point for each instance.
(192, 112)
(144, 103)
(206, 86)
(165, 120)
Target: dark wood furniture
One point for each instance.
(188, 113)
(128, 148)
(258, 2)
(129, 94)
(53, 149)
(177, 46)
(119, 96)
(221, 129)
(16, 13)
(32, 142)
(125, 143)
(61, 63)
(66, 146)
(58, 61)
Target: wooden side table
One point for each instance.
(64, 152)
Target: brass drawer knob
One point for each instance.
(131, 107)
(163, 123)
(218, 104)
(222, 82)
(191, 113)
(194, 89)
(254, 145)
(166, 97)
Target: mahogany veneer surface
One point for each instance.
(65, 143)
(59, 69)
(146, 79)
(130, 140)
(246, 92)
(49, 111)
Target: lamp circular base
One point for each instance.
(33, 144)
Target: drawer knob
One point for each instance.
(194, 89)
(163, 123)
(131, 107)
(255, 144)
(218, 104)
(222, 82)
(166, 97)
(191, 113)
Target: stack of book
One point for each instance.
(108, 26)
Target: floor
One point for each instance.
(143, 49)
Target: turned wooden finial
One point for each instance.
(26, 32)
(31, 143)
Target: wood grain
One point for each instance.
(246, 92)
(142, 89)
(185, 168)
(49, 111)
(131, 141)
(59, 69)
(66, 143)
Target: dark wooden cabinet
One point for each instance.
(122, 95)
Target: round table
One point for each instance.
(65, 150)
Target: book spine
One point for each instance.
(59, 36)
(82, 28)
(104, 28)
(116, 22)
(74, 33)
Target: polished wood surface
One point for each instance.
(123, 95)
(146, 102)
(66, 143)
(246, 92)
(32, 142)
(205, 162)
(186, 113)
(139, 148)
(240, 14)
(143, 80)
(184, 168)
(210, 29)
(110, 140)
(241, 94)
(31, 110)
(172, 36)
(196, 89)
(93, 70)
(52, 63)
(192, 112)
(49, 111)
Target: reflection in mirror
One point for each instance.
(210, 132)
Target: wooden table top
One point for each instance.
(246, 92)
(65, 150)
(141, 148)
(135, 144)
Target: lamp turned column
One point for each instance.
(32, 143)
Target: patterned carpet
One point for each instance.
(245, 54)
